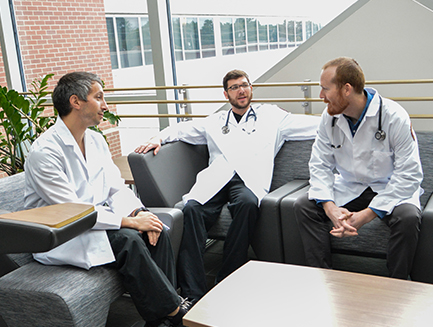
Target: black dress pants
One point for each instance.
(198, 219)
(148, 272)
(404, 223)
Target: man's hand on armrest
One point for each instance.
(154, 143)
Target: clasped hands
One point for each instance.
(346, 223)
(145, 221)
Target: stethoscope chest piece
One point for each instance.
(380, 135)
(225, 129)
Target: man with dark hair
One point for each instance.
(370, 142)
(70, 163)
(242, 144)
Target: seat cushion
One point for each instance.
(58, 295)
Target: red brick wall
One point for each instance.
(2, 72)
(58, 36)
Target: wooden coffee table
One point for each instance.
(271, 294)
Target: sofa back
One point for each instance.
(162, 180)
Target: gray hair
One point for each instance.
(76, 83)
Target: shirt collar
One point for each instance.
(354, 127)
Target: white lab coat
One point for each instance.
(250, 154)
(57, 172)
(390, 167)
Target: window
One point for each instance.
(226, 26)
(190, 38)
(252, 34)
(299, 37)
(282, 34)
(128, 37)
(177, 38)
(207, 37)
(145, 36)
(112, 43)
(273, 36)
(194, 37)
(263, 36)
(308, 30)
(240, 35)
(291, 31)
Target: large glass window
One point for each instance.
(207, 37)
(177, 38)
(226, 26)
(299, 37)
(263, 35)
(112, 43)
(282, 34)
(147, 46)
(308, 30)
(291, 31)
(128, 37)
(252, 34)
(190, 38)
(273, 36)
(240, 35)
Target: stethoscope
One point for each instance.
(251, 113)
(380, 134)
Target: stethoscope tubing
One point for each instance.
(380, 134)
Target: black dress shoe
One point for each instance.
(184, 307)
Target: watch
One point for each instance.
(136, 211)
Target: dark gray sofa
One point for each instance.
(162, 180)
(32, 294)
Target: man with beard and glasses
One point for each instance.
(242, 144)
(369, 141)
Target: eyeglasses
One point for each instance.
(236, 87)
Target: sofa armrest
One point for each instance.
(422, 269)
(161, 180)
(20, 237)
(292, 243)
(267, 242)
(172, 218)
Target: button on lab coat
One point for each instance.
(242, 151)
(391, 167)
(57, 172)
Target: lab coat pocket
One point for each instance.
(382, 164)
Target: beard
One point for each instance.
(338, 106)
(236, 103)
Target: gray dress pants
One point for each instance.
(404, 223)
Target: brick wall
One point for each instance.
(2, 72)
(58, 36)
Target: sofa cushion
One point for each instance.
(58, 295)
(12, 192)
(291, 163)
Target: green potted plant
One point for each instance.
(22, 120)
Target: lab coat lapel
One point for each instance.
(232, 145)
(69, 141)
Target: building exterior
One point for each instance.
(112, 39)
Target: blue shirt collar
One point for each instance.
(354, 127)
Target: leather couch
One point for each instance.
(162, 180)
(32, 294)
